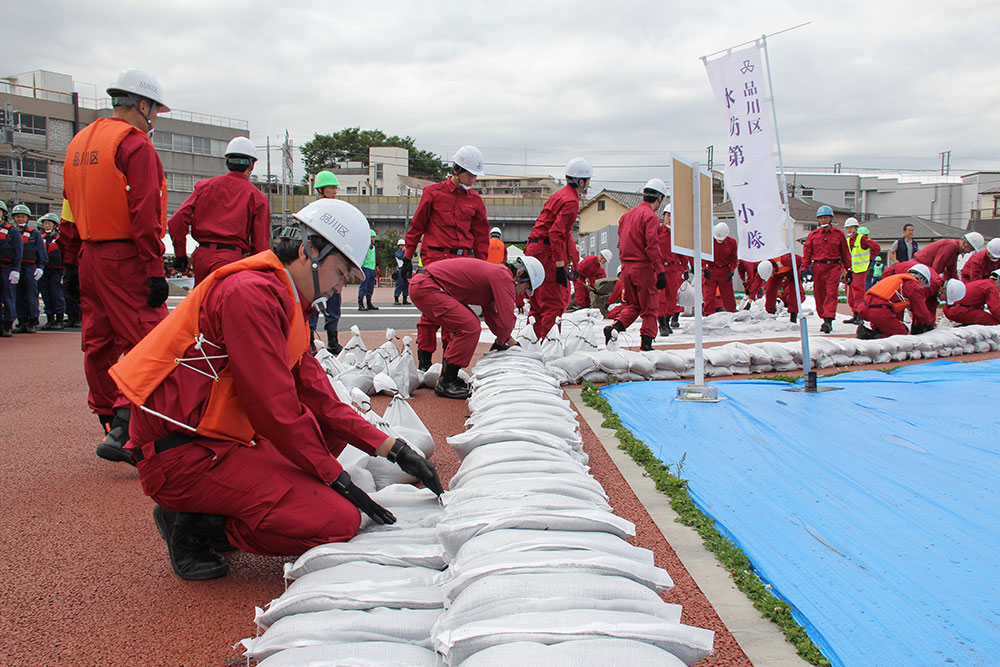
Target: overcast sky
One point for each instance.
(886, 84)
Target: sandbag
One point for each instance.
(604, 652)
(403, 370)
(463, 443)
(354, 351)
(521, 540)
(405, 424)
(329, 556)
(575, 365)
(354, 654)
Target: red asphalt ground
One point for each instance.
(86, 575)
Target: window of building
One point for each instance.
(378, 191)
(808, 227)
(604, 238)
(34, 168)
(182, 143)
(180, 182)
(30, 124)
(219, 147)
(996, 207)
(600, 205)
(6, 166)
(352, 190)
(807, 192)
(850, 199)
(379, 169)
(162, 140)
(201, 145)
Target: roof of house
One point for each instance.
(415, 183)
(990, 191)
(627, 199)
(800, 208)
(988, 227)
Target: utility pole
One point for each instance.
(945, 162)
(7, 129)
(711, 152)
(286, 176)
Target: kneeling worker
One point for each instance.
(238, 442)
(444, 292)
(980, 304)
(884, 304)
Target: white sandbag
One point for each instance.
(596, 377)
(430, 377)
(526, 337)
(504, 452)
(882, 358)
(604, 652)
(411, 626)
(688, 643)
(354, 351)
(530, 502)
(685, 295)
(328, 556)
(580, 336)
(868, 348)
(558, 426)
(639, 363)
(536, 377)
(614, 363)
(357, 377)
(717, 371)
(467, 475)
(355, 462)
(486, 398)
(383, 383)
(560, 409)
(354, 654)
(405, 424)
(782, 356)
(585, 488)
(463, 443)
(403, 370)
(666, 360)
(520, 540)
(551, 346)
(575, 365)
(329, 362)
(413, 535)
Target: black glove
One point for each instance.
(497, 345)
(180, 263)
(406, 270)
(687, 275)
(573, 275)
(661, 280)
(561, 276)
(730, 276)
(345, 487)
(706, 274)
(71, 281)
(414, 464)
(158, 291)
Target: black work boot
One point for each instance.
(50, 323)
(59, 322)
(664, 323)
(449, 385)
(827, 325)
(617, 326)
(22, 326)
(32, 324)
(675, 320)
(395, 300)
(405, 302)
(5, 329)
(864, 333)
(423, 360)
(333, 342)
(647, 344)
(113, 446)
(188, 545)
(793, 317)
(370, 305)
(361, 304)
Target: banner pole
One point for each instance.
(699, 356)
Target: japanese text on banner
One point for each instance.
(740, 85)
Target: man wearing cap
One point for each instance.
(826, 251)
(884, 304)
(498, 249)
(51, 283)
(674, 268)
(982, 263)
(863, 251)
(11, 249)
(450, 222)
(326, 185)
(717, 274)
(227, 215)
(402, 283)
(367, 287)
(114, 215)
(551, 242)
(588, 272)
(238, 441)
(980, 304)
(33, 260)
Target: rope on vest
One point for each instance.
(199, 343)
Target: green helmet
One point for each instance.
(21, 208)
(3, 206)
(864, 231)
(324, 179)
(49, 216)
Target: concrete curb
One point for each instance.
(760, 639)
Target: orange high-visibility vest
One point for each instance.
(890, 287)
(498, 251)
(96, 188)
(159, 354)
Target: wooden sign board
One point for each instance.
(682, 211)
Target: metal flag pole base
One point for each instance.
(699, 393)
(810, 385)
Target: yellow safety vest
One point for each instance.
(860, 257)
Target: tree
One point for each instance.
(352, 144)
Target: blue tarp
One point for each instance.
(874, 511)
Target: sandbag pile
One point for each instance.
(766, 357)
(539, 571)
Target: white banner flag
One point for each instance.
(740, 85)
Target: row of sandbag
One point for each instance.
(765, 357)
(539, 571)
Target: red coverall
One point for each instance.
(549, 242)
(855, 288)
(936, 281)
(639, 251)
(674, 266)
(718, 275)
(979, 266)
(880, 314)
(981, 304)
(228, 217)
(942, 256)
(781, 284)
(276, 495)
(826, 250)
(113, 288)
(444, 292)
(752, 283)
(450, 222)
(589, 271)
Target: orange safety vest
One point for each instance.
(890, 287)
(96, 188)
(156, 356)
(497, 251)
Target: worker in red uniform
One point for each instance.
(980, 304)
(227, 215)
(717, 275)
(675, 267)
(617, 296)
(238, 442)
(753, 286)
(642, 266)
(450, 222)
(887, 300)
(11, 249)
(51, 283)
(551, 240)
(444, 292)
(114, 215)
(589, 270)
(780, 283)
(826, 251)
(863, 251)
(497, 253)
(982, 262)
(942, 255)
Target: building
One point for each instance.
(527, 186)
(44, 111)
(605, 209)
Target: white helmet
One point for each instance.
(534, 269)
(401, 242)
(470, 159)
(993, 248)
(139, 82)
(579, 167)
(850, 222)
(496, 231)
(668, 208)
(764, 270)
(341, 224)
(975, 239)
(954, 291)
(923, 271)
(720, 232)
(241, 147)
(656, 185)
(995, 274)
(606, 254)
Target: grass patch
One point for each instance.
(727, 553)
